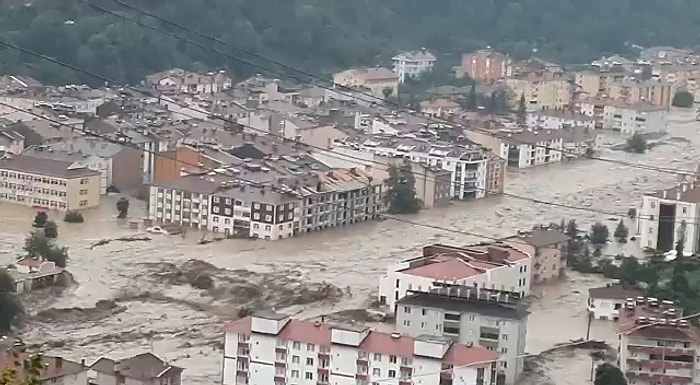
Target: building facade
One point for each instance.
(413, 64)
(524, 149)
(494, 266)
(558, 120)
(484, 65)
(605, 303)
(380, 82)
(270, 348)
(142, 369)
(626, 118)
(492, 319)
(666, 216)
(541, 92)
(651, 91)
(48, 184)
(547, 246)
(55, 369)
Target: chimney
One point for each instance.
(59, 362)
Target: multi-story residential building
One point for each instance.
(495, 174)
(271, 210)
(270, 348)
(668, 215)
(580, 142)
(413, 64)
(597, 83)
(547, 246)
(525, 148)
(142, 369)
(432, 185)
(627, 118)
(54, 370)
(468, 162)
(470, 315)
(494, 266)
(635, 91)
(484, 65)
(11, 141)
(541, 92)
(605, 303)
(49, 184)
(439, 108)
(178, 80)
(655, 346)
(378, 81)
(557, 120)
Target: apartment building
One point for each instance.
(547, 246)
(527, 148)
(378, 81)
(597, 83)
(655, 347)
(178, 80)
(494, 266)
(432, 185)
(269, 348)
(668, 215)
(412, 64)
(467, 162)
(626, 118)
(496, 320)
(484, 65)
(634, 91)
(606, 302)
(48, 184)
(558, 120)
(542, 92)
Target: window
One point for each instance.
(256, 227)
(377, 357)
(392, 373)
(83, 192)
(215, 209)
(376, 372)
(504, 350)
(505, 337)
(256, 216)
(268, 228)
(309, 361)
(685, 209)
(424, 312)
(310, 347)
(215, 219)
(82, 181)
(406, 323)
(83, 203)
(407, 310)
(216, 199)
(256, 205)
(392, 359)
(295, 374)
(268, 218)
(296, 345)
(422, 325)
(227, 211)
(397, 283)
(309, 376)
(295, 359)
(228, 201)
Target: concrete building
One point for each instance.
(547, 248)
(484, 65)
(439, 108)
(651, 91)
(542, 92)
(178, 80)
(655, 347)
(605, 303)
(432, 185)
(668, 215)
(270, 348)
(626, 118)
(476, 317)
(34, 273)
(142, 369)
(413, 64)
(494, 266)
(378, 81)
(557, 120)
(48, 184)
(55, 369)
(597, 83)
(526, 148)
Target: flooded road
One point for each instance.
(354, 258)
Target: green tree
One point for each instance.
(522, 111)
(387, 92)
(609, 374)
(632, 212)
(621, 232)
(599, 234)
(51, 230)
(636, 143)
(37, 245)
(571, 229)
(629, 272)
(32, 374)
(73, 216)
(122, 208)
(400, 196)
(10, 306)
(683, 99)
(472, 103)
(40, 219)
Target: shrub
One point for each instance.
(73, 216)
(683, 99)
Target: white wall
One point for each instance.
(648, 228)
(604, 308)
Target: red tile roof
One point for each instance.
(307, 332)
(450, 269)
(383, 343)
(461, 355)
(30, 262)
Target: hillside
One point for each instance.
(322, 35)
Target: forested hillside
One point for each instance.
(322, 35)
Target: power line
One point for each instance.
(429, 119)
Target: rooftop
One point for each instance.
(652, 318)
(53, 367)
(540, 237)
(420, 55)
(685, 192)
(320, 333)
(614, 292)
(45, 167)
(146, 366)
(469, 300)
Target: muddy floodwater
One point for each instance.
(153, 309)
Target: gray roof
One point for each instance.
(464, 305)
(144, 366)
(47, 167)
(540, 237)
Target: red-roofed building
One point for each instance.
(270, 348)
(493, 266)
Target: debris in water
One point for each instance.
(121, 239)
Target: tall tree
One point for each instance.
(400, 196)
(522, 111)
(40, 219)
(10, 306)
(609, 374)
(472, 101)
(122, 208)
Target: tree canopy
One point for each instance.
(321, 36)
(609, 374)
(10, 306)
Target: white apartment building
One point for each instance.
(467, 163)
(557, 120)
(605, 303)
(527, 148)
(413, 64)
(667, 215)
(625, 118)
(493, 266)
(270, 348)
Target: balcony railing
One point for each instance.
(659, 378)
(658, 364)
